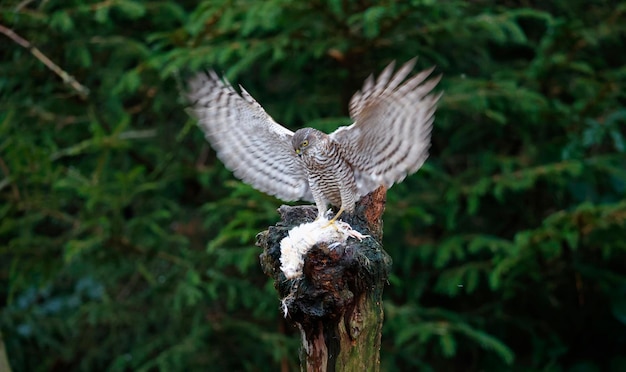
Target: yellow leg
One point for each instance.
(336, 216)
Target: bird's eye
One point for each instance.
(305, 143)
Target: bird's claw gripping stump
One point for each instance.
(335, 296)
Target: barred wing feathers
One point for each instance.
(247, 140)
(393, 119)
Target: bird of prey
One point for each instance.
(388, 140)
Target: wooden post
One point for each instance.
(4, 360)
(337, 303)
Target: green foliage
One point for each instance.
(125, 244)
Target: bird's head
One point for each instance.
(306, 139)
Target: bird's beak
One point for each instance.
(298, 152)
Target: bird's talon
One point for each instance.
(331, 223)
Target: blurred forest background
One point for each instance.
(126, 246)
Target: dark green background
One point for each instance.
(126, 246)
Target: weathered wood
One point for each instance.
(337, 303)
(4, 360)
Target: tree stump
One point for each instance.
(337, 301)
(4, 360)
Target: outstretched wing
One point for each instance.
(247, 140)
(393, 118)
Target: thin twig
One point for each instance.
(14, 189)
(22, 5)
(67, 78)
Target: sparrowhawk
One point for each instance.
(389, 139)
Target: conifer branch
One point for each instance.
(67, 78)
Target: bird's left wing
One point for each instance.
(393, 118)
(247, 140)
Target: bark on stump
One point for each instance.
(4, 359)
(337, 303)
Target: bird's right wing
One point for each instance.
(249, 142)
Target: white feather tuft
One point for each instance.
(294, 247)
